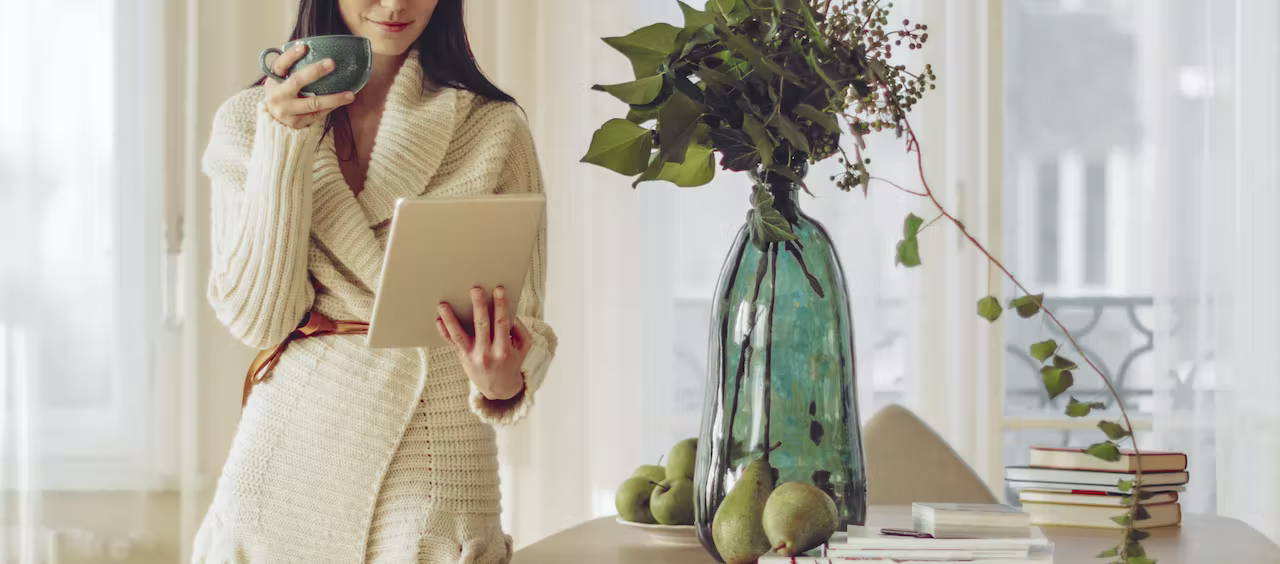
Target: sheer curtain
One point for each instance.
(88, 457)
(1216, 254)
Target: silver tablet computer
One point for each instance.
(438, 248)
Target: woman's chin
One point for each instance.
(387, 47)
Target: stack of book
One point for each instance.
(1068, 487)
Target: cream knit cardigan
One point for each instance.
(314, 442)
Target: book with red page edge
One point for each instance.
(1086, 478)
(1077, 459)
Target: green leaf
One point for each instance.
(1136, 535)
(676, 122)
(1122, 520)
(824, 119)
(1056, 380)
(1077, 408)
(739, 153)
(909, 247)
(1113, 551)
(697, 169)
(647, 48)
(1105, 450)
(621, 146)
(731, 10)
(641, 115)
(1028, 305)
(695, 18)
(989, 308)
(741, 45)
(760, 136)
(1139, 560)
(790, 131)
(1124, 485)
(1113, 430)
(768, 225)
(639, 92)
(1064, 363)
(1044, 349)
(1140, 513)
(713, 76)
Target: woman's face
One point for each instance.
(391, 25)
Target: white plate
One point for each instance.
(685, 535)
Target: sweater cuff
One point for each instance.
(268, 124)
(511, 410)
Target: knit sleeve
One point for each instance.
(260, 182)
(522, 173)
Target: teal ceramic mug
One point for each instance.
(352, 56)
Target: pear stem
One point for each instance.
(664, 488)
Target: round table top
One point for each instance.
(1200, 538)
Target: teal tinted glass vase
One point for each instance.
(781, 370)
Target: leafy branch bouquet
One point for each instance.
(774, 85)
(763, 84)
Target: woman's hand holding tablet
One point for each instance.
(493, 356)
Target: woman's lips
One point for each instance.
(390, 26)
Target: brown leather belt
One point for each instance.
(314, 324)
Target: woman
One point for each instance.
(345, 453)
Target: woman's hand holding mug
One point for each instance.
(282, 99)
(493, 356)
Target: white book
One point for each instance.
(1091, 477)
(969, 520)
(1049, 496)
(1058, 486)
(907, 554)
(869, 538)
(1041, 558)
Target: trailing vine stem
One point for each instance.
(913, 145)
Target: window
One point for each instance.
(83, 339)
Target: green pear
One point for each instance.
(797, 517)
(651, 471)
(632, 500)
(682, 458)
(736, 528)
(672, 501)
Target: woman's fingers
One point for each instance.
(308, 74)
(480, 313)
(286, 59)
(457, 335)
(523, 337)
(312, 104)
(501, 320)
(444, 331)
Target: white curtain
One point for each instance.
(88, 327)
(1217, 255)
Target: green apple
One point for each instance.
(672, 501)
(651, 471)
(632, 499)
(681, 459)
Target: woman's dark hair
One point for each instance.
(443, 51)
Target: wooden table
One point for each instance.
(1200, 539)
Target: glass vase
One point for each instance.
(780, 370)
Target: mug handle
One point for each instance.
(262, 60)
